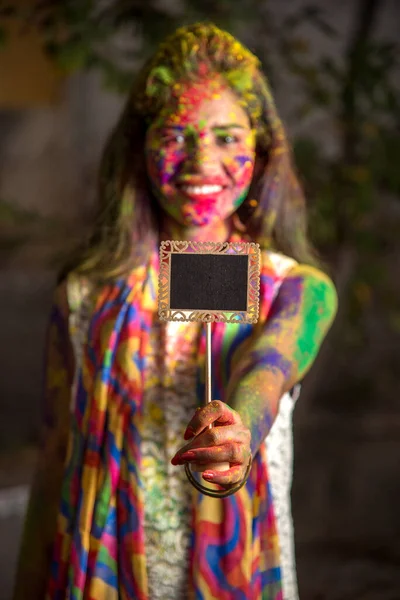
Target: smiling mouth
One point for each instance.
(200, 190)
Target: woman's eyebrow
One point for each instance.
(173, 126)
(227, 126)
(182, 128)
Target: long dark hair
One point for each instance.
(128, 217)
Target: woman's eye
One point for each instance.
(179, 138)
(226, 139)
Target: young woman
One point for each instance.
(198, 154)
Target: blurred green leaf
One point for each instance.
(10, 213)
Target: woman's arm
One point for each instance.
(40, 523)
(280, 355)
(287, 347)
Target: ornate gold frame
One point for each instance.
(170, 247)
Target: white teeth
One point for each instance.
(201, 190)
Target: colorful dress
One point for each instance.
(136, 382)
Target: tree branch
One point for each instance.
(367, 11)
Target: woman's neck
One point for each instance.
(215, 232)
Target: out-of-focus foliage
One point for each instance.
(353, 192)
(354, 195)
(116, 35)
(7, 11)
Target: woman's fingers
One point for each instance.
(232, 452)
(216, 412)
(215, 437)
(225, 478)
(227, 441)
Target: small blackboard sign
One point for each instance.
(209, 281)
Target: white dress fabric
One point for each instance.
(168, 404)
(279, 445)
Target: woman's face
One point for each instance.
(200, 153)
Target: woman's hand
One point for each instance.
(228, 441)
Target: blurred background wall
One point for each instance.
(334, 70)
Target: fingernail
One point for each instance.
(208, 475)
(181, 458)
(188, 455)
(189, 433)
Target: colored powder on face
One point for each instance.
(242, 160)
(198, 141)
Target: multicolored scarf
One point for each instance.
(99, 549)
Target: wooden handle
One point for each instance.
(223, 466)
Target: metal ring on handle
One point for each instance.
(217, 493)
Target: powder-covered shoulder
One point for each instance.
(316, 284)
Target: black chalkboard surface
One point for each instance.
(209, 281)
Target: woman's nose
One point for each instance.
(203, 156)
